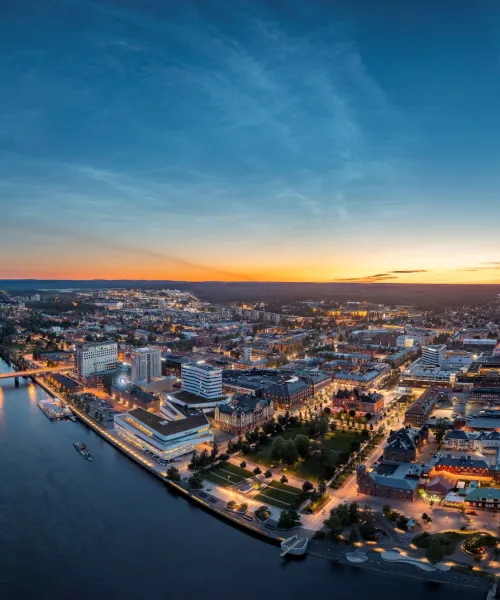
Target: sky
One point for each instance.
(252, 140)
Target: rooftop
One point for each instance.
(165, 427)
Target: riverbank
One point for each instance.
(374, 562)
(153, 468)
(315, 546)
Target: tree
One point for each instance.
(368, 416)
(268, 473)
(386, 509)
(215, 451)
(307, 486)
(353, 535)
(441, 429)
(402, 522)
(243, 464)
(173, 473)
(290, 452)
(231, 504)
(353, 512)
(435, 552)
(303, 445)
(288, 518)
(284, 479)
(278, 449)
(321, 488)
(257, 471)
(195, 482)
(352, 413)
(244, 507)
(335, 527)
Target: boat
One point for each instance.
(82, 449)
(294, 545)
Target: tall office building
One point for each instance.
(201, 380)
(146, 365)
(94, 357)
(433, 356)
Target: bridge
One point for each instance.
(34, 372)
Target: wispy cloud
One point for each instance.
(390, 275)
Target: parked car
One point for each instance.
(471, 512)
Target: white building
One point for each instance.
(173, 433)
(95, 356)
(202, 380)
(146, 365)
(433, 356)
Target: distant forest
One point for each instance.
(425, 296)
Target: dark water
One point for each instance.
(108, 529)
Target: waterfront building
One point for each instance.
(244, 413)
(481, 497)
(146, 365)
(172, 433)
(94, 357)
(201, 380)
(134, 395)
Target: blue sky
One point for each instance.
(239, 139)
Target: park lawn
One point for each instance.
(238, 471)
(272, 501)
(308, 469)
(280, 495)
(342, 441)
(293, 432)
(283, 486)
(216, 479)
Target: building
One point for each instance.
(417, 413)
(172, 363)
(464, 465)
(201, 380)
(481, 497)
(244, 413)
(133, 395)
(94, 357)
(64, 384)
(172, 433)
(390, 480)
(359, 401)
(146, 365)
(433, 356)
(402, 445)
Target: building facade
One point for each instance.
(146, 364)
(202, 380)
(96, 357)
(243, 414)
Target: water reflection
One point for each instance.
(32, 393)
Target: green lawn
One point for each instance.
(342, 441)
(237, 471)
(283, 486)
(271, 501)
(294, 431)
(280, 495)
(216, 479)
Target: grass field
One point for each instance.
(216, 479)
(279, 494)
(271, 501)
(283, 486)
(238, 471)
(342, 441)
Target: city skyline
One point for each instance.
(232, 141)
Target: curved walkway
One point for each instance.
(391, 556)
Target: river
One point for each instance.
(109, 529)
